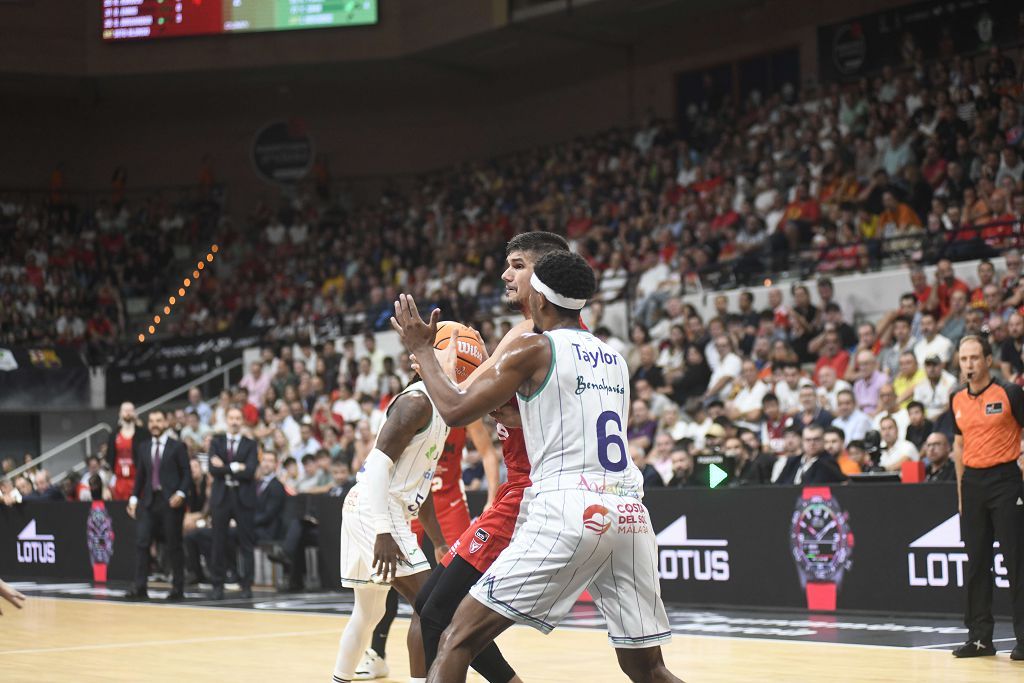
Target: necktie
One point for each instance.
(155, 474)
(232, 445)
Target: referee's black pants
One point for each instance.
(993, 510)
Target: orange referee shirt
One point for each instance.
(990, 423)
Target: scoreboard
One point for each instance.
(147, 19)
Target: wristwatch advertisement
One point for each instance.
(822, 545)
(100, 539)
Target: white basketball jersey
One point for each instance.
(413, 472)
(575, 423)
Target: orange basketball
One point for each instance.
(470, 351)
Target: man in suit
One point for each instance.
(233, 463)
(813, 466)
(158, 503)
(270, 498)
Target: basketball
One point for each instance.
(470, 347)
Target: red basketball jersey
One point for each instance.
(448, 474)
(513, 449)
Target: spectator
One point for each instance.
(932, 343)
(919, 427)
(868, 386)
(256, 383)
(660, 455)
(939, 466)
(310, 477)
(829, 386)
(728, 369)
(1011, 350)
(695, 378)
(897, 450)
(934, 392)
(345, 405)
(682, 469)
(835, 440)
(953, 324)
(773, 425)
(902, 342)
(647, 368)
(946, 283)
(787, 390)
(888, 406)
(83, 492)
(652, 478)
(851, 420)
(642, 425)
(752, 467)
(198, 406)
(832, 355)
(44, 490)
(745, 407)
(812, 466)
(811, 412)
(910, 375)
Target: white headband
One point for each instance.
(556, 298)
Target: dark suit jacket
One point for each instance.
(248, 455)
(269, 510)
(141, 436)
(174, 471)
(51, 495)
(825, 470)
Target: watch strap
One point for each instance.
(823, 492)
(821, 596)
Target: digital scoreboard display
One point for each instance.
(146, 19)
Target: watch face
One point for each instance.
(820, 539)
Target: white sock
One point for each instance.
(417, 680)
(370, 605)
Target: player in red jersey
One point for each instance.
(477, 548)
(453, 516)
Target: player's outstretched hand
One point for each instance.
(450, 357)
(417, 336)
(11, 595)
(386, 556)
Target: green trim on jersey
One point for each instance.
(547, 378)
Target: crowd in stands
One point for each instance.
(921, 163)
(66, 271)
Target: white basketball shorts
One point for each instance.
(358, 537)
(576, 540)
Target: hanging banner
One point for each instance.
(936, 29)
(145, 371)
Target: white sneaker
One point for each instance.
(373, 666)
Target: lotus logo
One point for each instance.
(597, 519)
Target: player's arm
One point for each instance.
(477, 433)
(428, 520)
(409, 413)
(516, 367)
(521, 328)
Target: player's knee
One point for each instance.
(642, 669)
(456, 637)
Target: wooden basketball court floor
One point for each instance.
(67, 639)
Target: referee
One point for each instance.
(988, 414)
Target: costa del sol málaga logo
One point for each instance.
(597, 519)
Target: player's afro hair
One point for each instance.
(568, 274)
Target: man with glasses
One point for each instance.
(813, 466)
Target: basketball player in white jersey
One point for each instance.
(587, 527)
(378, 548)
